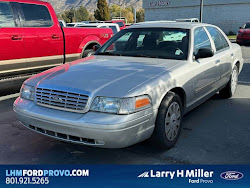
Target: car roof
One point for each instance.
(28, 1)
(168, 24)
(187, 19)
(114, 21)
(96, 24)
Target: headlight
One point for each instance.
(27, 92)
(120, 105)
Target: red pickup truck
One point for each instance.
(32, 40)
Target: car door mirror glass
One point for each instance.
(204, 53)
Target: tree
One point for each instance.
(128, 15)
(102, 11)
(68, 15)
(82, 14)
(140, 15)
(114, 11)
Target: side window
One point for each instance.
(201, 39)
(6, 15)
(219, 40)
(36, 15)
(140, 39)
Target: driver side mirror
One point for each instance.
(204, 53)
(96, 47)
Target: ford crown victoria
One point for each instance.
(137, 86)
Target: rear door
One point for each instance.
(12, 51)
(43, 37)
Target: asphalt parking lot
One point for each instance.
(216, 132)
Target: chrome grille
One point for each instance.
(61, 100)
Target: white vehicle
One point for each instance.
(76, 24)
(188, 20)
(62, 23)
(115, 27)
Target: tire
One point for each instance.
(87, 53)
(168, 122)
(229, 90)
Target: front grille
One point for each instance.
(67, 137)
(67, 101)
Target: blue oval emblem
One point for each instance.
(231, 175)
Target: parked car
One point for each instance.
(121, 23)
(75, 24)
(62, 23)
(243, 35)
(138, 85)
(115, 27)
(32, 39)
(188, 20)
(95, 21)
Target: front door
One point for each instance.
(223, 53)
(207, 69)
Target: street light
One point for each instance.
(201, 10)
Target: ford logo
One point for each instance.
(231, 175)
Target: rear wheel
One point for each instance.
(168, 122)
(231, 86)
(87, 53)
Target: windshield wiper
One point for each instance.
(108, 53)
(141, 55)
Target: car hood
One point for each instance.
(104, 75)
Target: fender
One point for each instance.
(88, 40)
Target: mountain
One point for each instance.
(62, 5)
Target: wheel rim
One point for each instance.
(234, 81)
(172, 121)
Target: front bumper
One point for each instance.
(93, 128)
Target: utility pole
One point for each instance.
(201, 11)
(134, 15)
(120, 11)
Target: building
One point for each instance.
(229, 15)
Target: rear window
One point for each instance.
(113, 29)
(120, 24)
(6, 15)
(36, 15)
(247, 26)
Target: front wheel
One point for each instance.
(168, 122)
(231, 86)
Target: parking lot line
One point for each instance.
(9, 96)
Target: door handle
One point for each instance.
(16, 37)
(217, 61)
(232, 55)
(54, 36)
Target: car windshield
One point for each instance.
(165, 43)
(247, 26)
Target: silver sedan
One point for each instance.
(136, 86)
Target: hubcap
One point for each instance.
(172, 121)
(234, 81)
